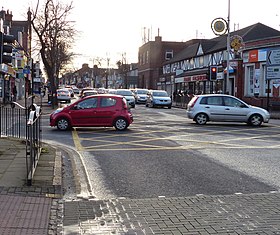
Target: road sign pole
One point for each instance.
(268, 92)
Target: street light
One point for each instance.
(220, 27)
(228, 47)
(108, 70)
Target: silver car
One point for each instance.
(128, 95)
(64, 94)
(225, 108)
(158, 98)
(141, 95)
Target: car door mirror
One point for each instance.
(75, 107)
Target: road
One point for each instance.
(165, 154)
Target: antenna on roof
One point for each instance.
(144, 39)
(236, 26)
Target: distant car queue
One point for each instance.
(101, 107)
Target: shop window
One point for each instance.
(249, 78)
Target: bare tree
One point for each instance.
(55, 35)
(123, 69)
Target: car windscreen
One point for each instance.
(63, 92)
(125, 93)
(160, 94)
(141, 92)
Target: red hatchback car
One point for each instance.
(105, 110)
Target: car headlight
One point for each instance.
(58, 110)
(266, 112)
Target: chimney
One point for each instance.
(158, 38)
(9, 16)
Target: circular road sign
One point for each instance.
(219, 26)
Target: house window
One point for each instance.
(201, 61)
(255, 82)
(168, 54)
(147, 57)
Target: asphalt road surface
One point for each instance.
(165, 154)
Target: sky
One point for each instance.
(115, 29)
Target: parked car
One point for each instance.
(128, 95)
(98, 110)
(224, 108)
(63, 94)
(141, 95)
(158, 98)
(88, 93)
(76, 90)
(112, 91)
(86, 89)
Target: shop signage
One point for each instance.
(194, 78)
(4, 68)
(36, 79)
(255, 56)
(26, 71)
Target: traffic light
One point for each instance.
(213, 72)
(6, 48)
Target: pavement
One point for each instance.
(42, 208)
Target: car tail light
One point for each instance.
(192, 102)
(125, 105)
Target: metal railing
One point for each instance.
(33, 141)
(13, 121)
(19, 122)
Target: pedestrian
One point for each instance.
(174, 95)
(14, 93)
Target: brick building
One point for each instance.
(188, 71)
(151, 56)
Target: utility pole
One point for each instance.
(92, 74)
(228, 49)
(107, 73)
(124, 69)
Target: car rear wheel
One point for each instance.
(201, 118)
(63, 124)
(121, 124)
(255, 120)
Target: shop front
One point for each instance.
(188, 85)
(7, 83)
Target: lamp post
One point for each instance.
(107, 73)
(220, 27)
(92, 74)
(228, 48)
